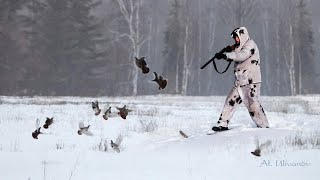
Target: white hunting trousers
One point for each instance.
(249, 95)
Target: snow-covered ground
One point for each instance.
(152, 147)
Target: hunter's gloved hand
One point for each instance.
(220, 56)
(228, 49)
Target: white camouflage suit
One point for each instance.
(247, 81)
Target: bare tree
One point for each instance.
(130, 11)
(239, 12)
(186, 64)
(287, 47)
(189, 45)
(173, 49)
(304, 44)
(210, 24)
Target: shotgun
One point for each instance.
(214, 63)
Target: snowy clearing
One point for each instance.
(152, 147)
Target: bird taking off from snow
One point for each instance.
(115, 145)
(160, 80)
(123, 112)
(141, 64)
(48, 122)
(84, 129)
(183, 134)
(257, 151)
(37, 131)
(106, 113)
(95, 107)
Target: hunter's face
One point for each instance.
(237, 40)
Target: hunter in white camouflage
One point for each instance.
(247, 81)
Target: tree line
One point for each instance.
(87, 47)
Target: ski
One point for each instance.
(215, 132)
(210, 132)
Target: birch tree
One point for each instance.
(287, 45)
(186, 64)
(130, 11)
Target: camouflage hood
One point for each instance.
(243, 35)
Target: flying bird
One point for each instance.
(115, 146)
(106, 114)
(123, 112)
(141, 64)
(183, 134)
(48, 122)
(160, 80)
(84, 129)
(37, 131)
(257, 151)
(95, 107)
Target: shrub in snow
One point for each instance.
(148, 112)
(148, 125)
(102, 146)
(296, 142)
(15, 146)
(59, 145)
(296, 108)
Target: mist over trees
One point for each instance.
(87, 47)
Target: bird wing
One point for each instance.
(88, 133)
(117, 149)
(138, 62)
(160, 78)
(125, 108)
(122, 109)
(108, 111)
(265, 145)
(156, 76)
(47, 120)
(257, 143)
(51, 120)
(97, 104)
(143, 62)
(94, 106)
(37, 123)
(81, 125)
(119, 140)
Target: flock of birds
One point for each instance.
(122, 112)
(141, 64)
